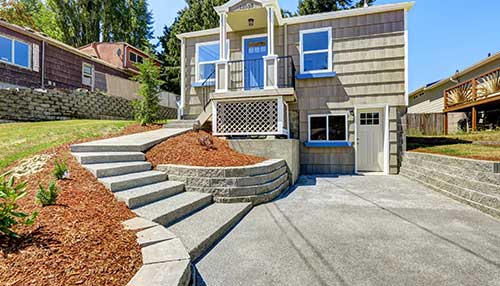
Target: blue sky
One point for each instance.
(445, 35)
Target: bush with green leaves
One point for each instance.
(10, 194)
(47, 197)
(146, 109)
(61, 170)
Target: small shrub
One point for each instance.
(207, 142)
(146, 109)
(61, 170)
(47, 197)
(10, 194)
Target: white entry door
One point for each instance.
(370, 140)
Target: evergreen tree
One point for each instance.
(307, 7)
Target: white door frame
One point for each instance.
(386, 135)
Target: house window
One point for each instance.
(15, 52)
(316, 50)
(136, 58)
(88, 74)
(328, 127)
(369, 118)
(207, 54)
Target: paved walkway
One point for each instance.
(138, 142)
(373, 230)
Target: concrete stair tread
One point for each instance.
(132, 180)
(162, 274)
(108, 157)
(168, 210)
(117, 168)
(149, 193)
(202, 229)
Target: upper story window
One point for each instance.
(207, 54)
(88, 74)
(328, 127)
(15, 52)
(133, 57)
(316, 50)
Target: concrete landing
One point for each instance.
(138, 142)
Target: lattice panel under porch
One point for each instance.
(244, 117)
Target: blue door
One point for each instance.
(255, 49)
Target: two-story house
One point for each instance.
(336, 81)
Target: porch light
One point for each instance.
(251, 22)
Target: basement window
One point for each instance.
(327, 128)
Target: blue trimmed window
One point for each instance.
(316, 50)
(207, 54)
(15, 52)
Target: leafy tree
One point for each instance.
(307, 7)
(146, 109)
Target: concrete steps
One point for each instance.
(128, 181)
(169, 210)
(204, 228)
(469, 181)
(108, 157)
(192, 124)
(115, 169)
(143, 195)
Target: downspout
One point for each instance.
(43, 65)
(183, 89)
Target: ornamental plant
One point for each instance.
(10, 194)
(61, 170)
(146, 109)
(47, 197)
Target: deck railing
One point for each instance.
(207, 87)
(476, 89)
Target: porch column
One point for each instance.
(271, 60)
(221, 67)
(474, 119)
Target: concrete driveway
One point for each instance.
(362, 230)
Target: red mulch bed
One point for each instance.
(81, 240)
(185, 149)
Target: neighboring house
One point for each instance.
(474, 91)
(31, 59)
(119, 54)
(337, 81)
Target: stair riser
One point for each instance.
(105, 148)
(121, 170)
(153, 197)
(133, 183)
(489, 201)
(487, 177)
(466, 164)
(171, 217)
(414, 176)
(111, 159)
(456, 179)
(255, 200)
(216, 236)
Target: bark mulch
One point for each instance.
(186, 149)
(79, 241)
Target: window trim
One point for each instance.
(93, 74)
(197, 62)
(13, 52)
(330, 50)
(326, 115)
(136, 56)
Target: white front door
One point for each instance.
(370, 140)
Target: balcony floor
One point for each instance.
(287, 93)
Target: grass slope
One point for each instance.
(20, 140)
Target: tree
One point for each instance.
(146, 109)
(307, 7)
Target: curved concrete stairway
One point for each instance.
(472, 182)
(193, 217)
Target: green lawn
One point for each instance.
(20, 140)
(459, 145)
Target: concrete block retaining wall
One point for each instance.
(474, 182)
(33, 105)
(257, 183)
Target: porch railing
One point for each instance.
(479, 88)
(249, 74)
(207, 87)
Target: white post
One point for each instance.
(271, 60)
(183, 80)
(281, 116)
(387, 138)
(223, 35)
(355, 140)
(221, 67)
(270, 31)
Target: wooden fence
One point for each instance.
(424, 123)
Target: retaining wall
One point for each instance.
(257, 183)
(38, 105)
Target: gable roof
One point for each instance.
(313, 17)
(439, 83)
